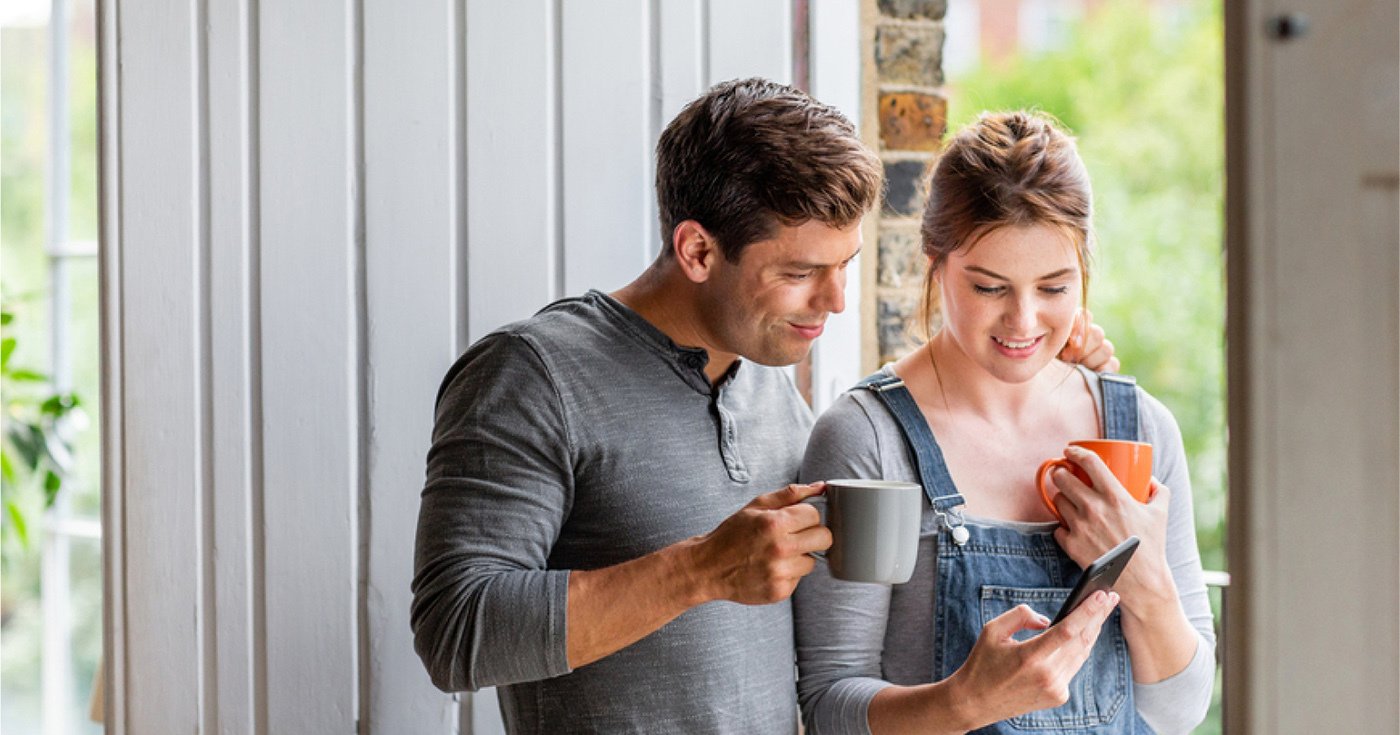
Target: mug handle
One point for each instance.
(1041, 475)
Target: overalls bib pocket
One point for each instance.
(1100, 688)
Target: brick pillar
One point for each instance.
(904, 81)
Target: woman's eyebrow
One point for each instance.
(1047, 277)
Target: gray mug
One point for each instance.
(874, 528)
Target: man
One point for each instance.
(599, 534)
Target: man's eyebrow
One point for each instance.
(802, 264)
(1047, 277)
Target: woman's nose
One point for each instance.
(1020, 316)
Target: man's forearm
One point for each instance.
(756, 557)
(612, 608)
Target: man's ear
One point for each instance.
(695, 249)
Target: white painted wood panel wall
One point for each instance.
(310, 210)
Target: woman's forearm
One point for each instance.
(929, 708)
(1160, 637)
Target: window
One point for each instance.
(50, 606)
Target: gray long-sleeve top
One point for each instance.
(855, 639)
(578, 439)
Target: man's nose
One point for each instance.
(834, 292)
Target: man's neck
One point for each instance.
(667, 300)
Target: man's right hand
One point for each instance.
(759, 554)
(755, 556)
(1004, 678)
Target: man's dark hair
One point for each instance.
(750, 155)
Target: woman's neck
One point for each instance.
(964, 387)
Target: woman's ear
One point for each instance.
(695, 250)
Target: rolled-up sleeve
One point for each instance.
(839, 625)
(486, 609)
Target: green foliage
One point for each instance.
(36, 451)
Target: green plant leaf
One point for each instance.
(7, 347)
(27, 376)
(52, 484)
(17, 520)
(28, 440)
(6, 317)
(59, 404)
(7, 467)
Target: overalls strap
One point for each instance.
(1120, 406)
(933, 472)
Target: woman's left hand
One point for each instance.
(1098, 518)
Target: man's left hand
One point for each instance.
(1088, 346)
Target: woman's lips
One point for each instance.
(1017, 348)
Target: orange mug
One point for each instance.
(1130, 462)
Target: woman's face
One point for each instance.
(1010, 300)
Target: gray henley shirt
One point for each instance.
(578, 439)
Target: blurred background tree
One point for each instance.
(1140, 83)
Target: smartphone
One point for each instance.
(1100, 575)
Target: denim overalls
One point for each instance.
(985, 570)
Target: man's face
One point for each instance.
(771, 305)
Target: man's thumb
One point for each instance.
(787, 496)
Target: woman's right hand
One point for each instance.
(1004, 678)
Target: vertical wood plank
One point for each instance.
(410, 238)
(512, 144)
(835, 79)
(683, 49)
(514, 238)
(115, 634)
(161, 232)
(606, 134)
(750, 39)
(682, 52)
(232, 264)
(309, 280)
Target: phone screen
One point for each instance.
(1100, 575)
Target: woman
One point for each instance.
(1007, 233)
